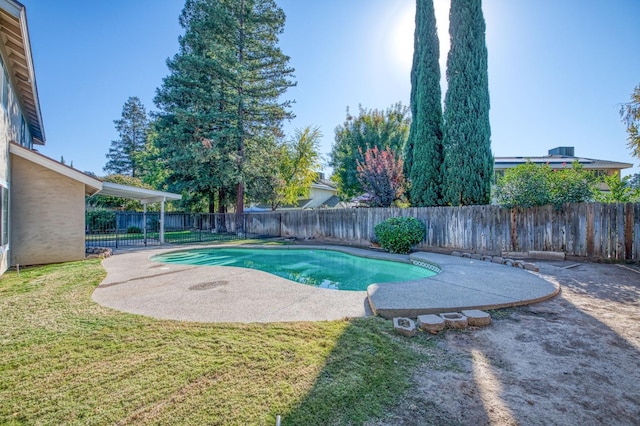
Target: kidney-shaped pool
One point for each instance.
(320, 268)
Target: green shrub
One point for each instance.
(530, 184)
(101, 220)
(134, 230)
(399, 234)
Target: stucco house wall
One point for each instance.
(12, 128)
(47, 212)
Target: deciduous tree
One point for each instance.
(630, 113)
(380, 174)
(371, 128)
(290, 170)
(620, 190)
(530, 184)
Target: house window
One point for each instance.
(601, 173)
(5, 90)
(23, 132)
(4, 215)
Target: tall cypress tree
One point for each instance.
(222, 102)
(468, 162)
(423, 151)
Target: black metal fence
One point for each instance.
(121, 229)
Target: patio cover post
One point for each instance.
(162, 220)
(144, 222)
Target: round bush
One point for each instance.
(134, 230)
(399, 234)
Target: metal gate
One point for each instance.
(121, 229)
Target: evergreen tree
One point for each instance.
(222, 103)
(372, 128)
(132, 128)
(468, 162)
(423, 153)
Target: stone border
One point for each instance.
(499, 260)
(433, 324)
(97, 252)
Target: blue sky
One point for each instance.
(558, 69)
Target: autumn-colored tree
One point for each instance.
(380, 174)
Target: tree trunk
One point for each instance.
(240, 187)
(221, 223)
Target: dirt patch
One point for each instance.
(574, 359)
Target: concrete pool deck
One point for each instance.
(137, 285)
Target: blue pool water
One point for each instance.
(320, 268)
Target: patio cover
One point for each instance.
(145, 196)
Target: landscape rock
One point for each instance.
(454, 320)
(431, 323)
(98, 252)
(405, 326)
(477, 318)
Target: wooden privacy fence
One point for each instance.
(596, 230)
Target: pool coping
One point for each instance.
(138, 285)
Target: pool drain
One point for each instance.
(208, 286)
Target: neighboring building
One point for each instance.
(559, 158)
(323, 193)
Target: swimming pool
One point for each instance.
(316, 267)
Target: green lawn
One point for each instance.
(67, 360)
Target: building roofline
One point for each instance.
(24, 85)
(556, 159)
(92, 184)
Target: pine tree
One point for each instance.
(468, 162)
(423, 153)
(222, 103)
(132, 127)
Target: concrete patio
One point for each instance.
(135, 284)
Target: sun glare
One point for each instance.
(402, 36)
(403, 27)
